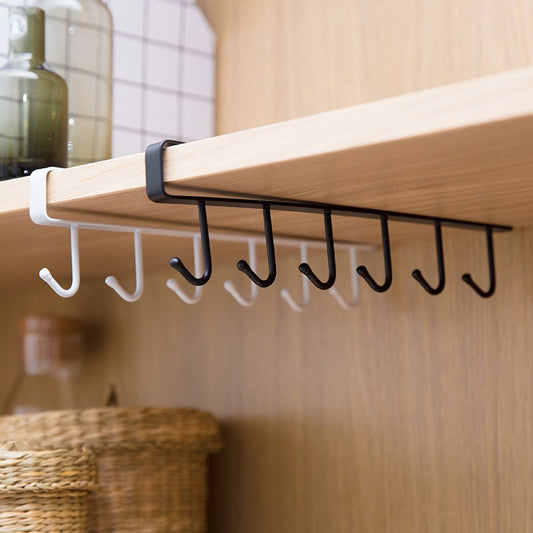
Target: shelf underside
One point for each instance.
(461, 151)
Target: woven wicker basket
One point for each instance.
(45, 491)
(152, 463)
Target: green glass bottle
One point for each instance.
(33, 101)
(79, 47)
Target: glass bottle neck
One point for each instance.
(26, 37)
(25, 59)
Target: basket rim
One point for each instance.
(116, 427)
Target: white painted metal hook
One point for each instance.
(355, 287)
(39, 215)
(112, 281)
(173, 285)
(305, 286)
(230, 287)
(46, 275)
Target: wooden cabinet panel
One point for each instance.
(289, 58)
(410, 414)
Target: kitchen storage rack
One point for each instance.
(416, 153)
(155, 187)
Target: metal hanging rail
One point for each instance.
(156, 191)
(39, 215)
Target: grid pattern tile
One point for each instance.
(164, 71)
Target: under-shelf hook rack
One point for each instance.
(156, 191)
(39, 215)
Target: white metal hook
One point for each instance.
(173, 285)
(112, 281)
(230, 287)
(355, 286)
(305, 286)
(46, 275)
(39, 215)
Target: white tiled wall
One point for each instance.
(164, 71)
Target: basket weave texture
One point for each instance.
(152, 462)
(45, 491)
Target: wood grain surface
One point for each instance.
(408, 414)
(417, 153)
(284, 59)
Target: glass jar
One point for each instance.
(51, 349)
(33, 101)
(79, 46)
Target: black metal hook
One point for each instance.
(243, 266)
(306, 270)
(363, 271)
(157, 192)
(176, 263)
(467, 278)
(440, 264)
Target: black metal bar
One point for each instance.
(155, 189)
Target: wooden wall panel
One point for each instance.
(281, 59)
(409, 414)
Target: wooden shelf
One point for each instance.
(459, 151)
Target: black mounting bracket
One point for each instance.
(156, 191)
